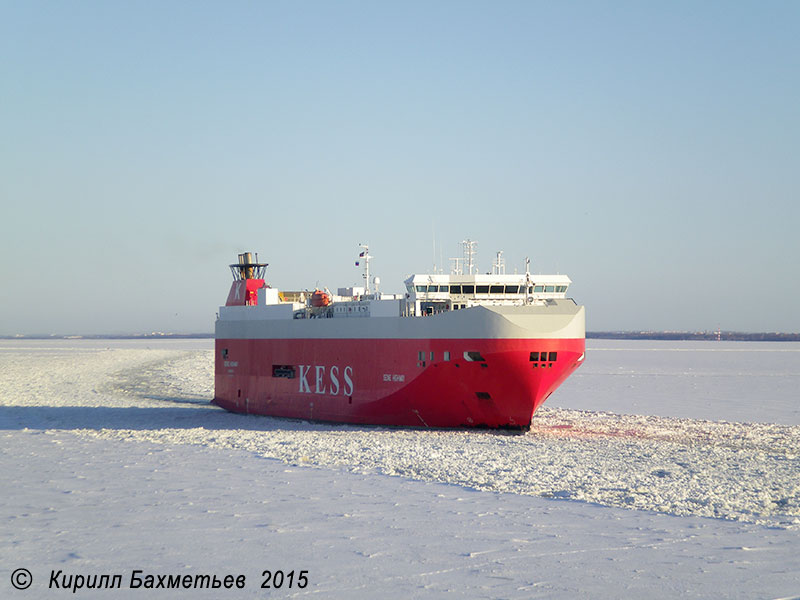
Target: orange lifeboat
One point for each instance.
(320, 299)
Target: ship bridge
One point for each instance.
(435, 293)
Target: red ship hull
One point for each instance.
(404, 382)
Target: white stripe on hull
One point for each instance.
(561, 319)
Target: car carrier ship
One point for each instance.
(455, 350)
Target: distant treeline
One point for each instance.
(115, 336)
(736, 336)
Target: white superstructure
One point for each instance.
(426, 294)
(432, 293)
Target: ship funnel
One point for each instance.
(246, 262)
(248, 278)
(247, 268)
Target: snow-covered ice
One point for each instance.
(658, 469)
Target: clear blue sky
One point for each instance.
(649, 150)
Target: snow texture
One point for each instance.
(114, 460)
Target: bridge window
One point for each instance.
(468, 289)
(482, 289)
(455, 289)
(538, 289)
(496, 289)
(512, 289)
(549, 288)
(422, 288)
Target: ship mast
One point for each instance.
(528, 282)
(499, 266)
(364, 256)
(469, 254)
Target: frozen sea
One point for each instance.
(658, 470)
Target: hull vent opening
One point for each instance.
(474, 357)
(483, 395)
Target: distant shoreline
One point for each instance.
(712, 336)
(725, 336)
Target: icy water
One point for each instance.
(681, 428)
(717, 381)
(658, 471)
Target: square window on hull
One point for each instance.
(543, 356)
(286, 371)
